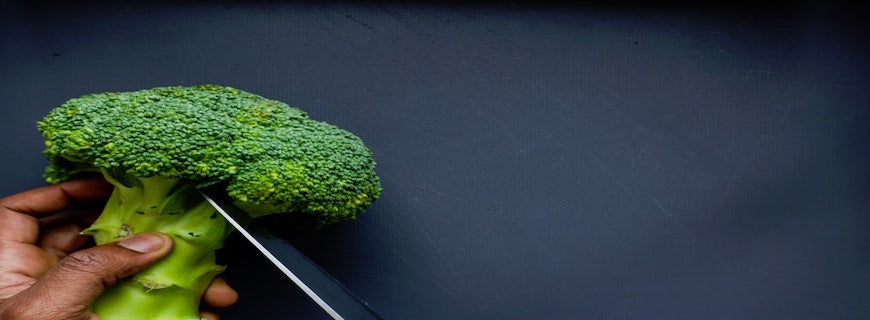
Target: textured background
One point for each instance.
(539, 162)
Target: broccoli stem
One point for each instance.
(171, 288)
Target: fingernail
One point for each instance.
(143, 243)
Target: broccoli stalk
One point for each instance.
(171, 288)
(156, 145)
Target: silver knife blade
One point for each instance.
(325, 290)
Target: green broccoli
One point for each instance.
(156, 145)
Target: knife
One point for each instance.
(325, 290)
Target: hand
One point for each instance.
(43, 273)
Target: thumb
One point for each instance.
(67, 290)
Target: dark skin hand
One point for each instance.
(48, 271)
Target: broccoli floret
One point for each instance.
(156, 145)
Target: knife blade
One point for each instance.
(335, 299)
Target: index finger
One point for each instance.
(46, 200)
(19, 213)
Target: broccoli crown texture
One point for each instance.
(272, 157)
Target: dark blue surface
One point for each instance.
(538, 162)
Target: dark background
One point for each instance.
(623, 161)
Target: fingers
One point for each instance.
(62, 240)
(22, 210)
(67, 289)
(49, 199)
(220, 294)
(208, 315)
(24, 259)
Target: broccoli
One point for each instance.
(157, 145)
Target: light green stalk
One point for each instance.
(171, 288)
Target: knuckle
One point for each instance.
(90, 265)
(23, 309)
(11, 310)
(7, 312)
(84, 261)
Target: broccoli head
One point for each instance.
(156, 145)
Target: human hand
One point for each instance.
(44, 274)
